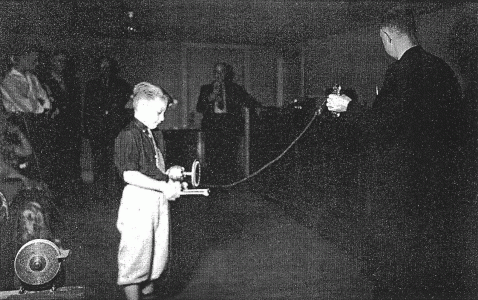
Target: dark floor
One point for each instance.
(234, 244)
(292, 232)
(238, 243)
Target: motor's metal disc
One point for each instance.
(36, 263)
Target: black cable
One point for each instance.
(317, 113)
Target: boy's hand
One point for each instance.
(184, 186)
(175, 173)
(172, 190)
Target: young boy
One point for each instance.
(143, 217)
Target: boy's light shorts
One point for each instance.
(143, 222)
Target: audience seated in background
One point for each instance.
(28, 106)
(21, 89)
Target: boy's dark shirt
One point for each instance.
(134, 151)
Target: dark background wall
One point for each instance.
(274, 73)
(356, 59)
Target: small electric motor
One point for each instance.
(38, 263)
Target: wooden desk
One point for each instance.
(183, 146)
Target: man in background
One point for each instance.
(221, 103)
(61, 85)
(412, 138)
(104, 117)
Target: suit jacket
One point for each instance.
(66, 98)
(233, 120)
(411, 133)
(104, 109)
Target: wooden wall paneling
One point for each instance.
(292, 77)
(263, 79)
(353, 60)
(263, 74)
(244, 159)
(302, 71)
(280, 81)
(315, 60)
(247, 69)
(190, 120)
(158, 63)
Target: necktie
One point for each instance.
(32, 95)
(222, 102)
(158, 155)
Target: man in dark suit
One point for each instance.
(104, 116)
(221, 103)
(412, 137)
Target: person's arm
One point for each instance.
(24, 149)
(13, 98)
(205, 100)
(170, 189)
(40, 92)
(248, 100)
(139, 179)
(392, 108)
(9, 172)
(395, 106)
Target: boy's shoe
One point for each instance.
(147, 291)
(151, 296)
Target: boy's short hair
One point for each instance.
(148, 92)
